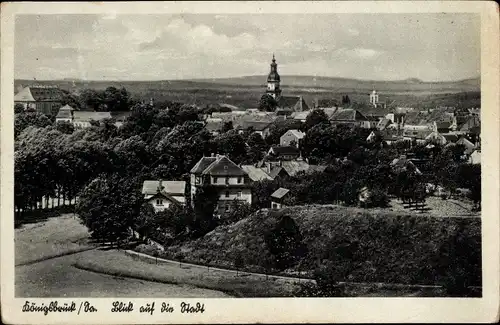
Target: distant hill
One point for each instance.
(407, 85)
(307, 83)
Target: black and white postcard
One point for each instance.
(245, 162)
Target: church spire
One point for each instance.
(273, 80)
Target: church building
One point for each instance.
(273, 81)
(286, 104)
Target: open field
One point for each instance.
(53, 237)
(245, 92)
(50, 276)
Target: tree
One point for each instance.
(284, 242)
(65, 127)
(115, 99)
(108, 207)
(317, 116)
(25, 119)
(238, 211)
(232, 144)
(91, 99)
(227, 126)
(205, 200)
(145, 224)
(346, 100)
(256, 148)
(278, 128)
(18, 108)
(267, 103)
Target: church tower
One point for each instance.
(273, 81)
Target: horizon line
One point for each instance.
(249, 76)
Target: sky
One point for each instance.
(427, 46)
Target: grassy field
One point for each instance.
(48, 251)
(52, 237)
(237, 285)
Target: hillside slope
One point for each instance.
(379, 245)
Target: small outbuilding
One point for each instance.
(278, 197)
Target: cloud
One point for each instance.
(360, 53)
(200, 39)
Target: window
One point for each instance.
(227, 208)
(275, 205)
(239, 194)
(197, 181)
(239, 180)
(159, 202)
(227, 180)
(227, 193)
(215, 180)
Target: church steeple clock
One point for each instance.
(273, 81)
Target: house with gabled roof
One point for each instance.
(475, 157)
(292, 137)
(229, 180)
(283, 153)
(256, 174)
(292, 103)
(348, 116)
(65, 114)
(163, 194)
(41, 98)
(469, 146)
(260, 127)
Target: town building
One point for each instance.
(292, 138)
(273, 81)
(349, 116)
(39, 98)
(475, 157)
(65, 114)
(163, 194)
(469, 146)
(441, 139)
(300, 116)
(83, 119)
(283, 153)
(374, 100)
(289, 104)
(325, 102)
(214, 125)
(416, 133)
(229, 180)
(278, 197)
(256, 174)
(259, 127)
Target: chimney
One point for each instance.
(160, 186)
(268, 167)
(212, 155)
